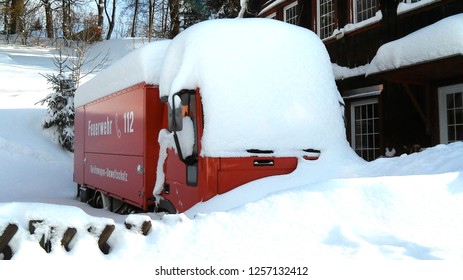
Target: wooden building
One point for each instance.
(414, 105)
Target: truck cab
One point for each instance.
(190, 178)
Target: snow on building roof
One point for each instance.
(436, 41)
(141, 65)
(264, 84)
(406, 7)
(341, 72)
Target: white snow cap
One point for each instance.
(141, 65)
(264, 84)
(439, 40)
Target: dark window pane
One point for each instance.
(459, 133)
(459, 116)
(451, 133)
(450, 102)
(458, 100)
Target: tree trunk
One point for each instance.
(17, 9)
(174, 18)
(100, 6)
(48, 18)
(150, 19)
(66, 16)
(111, 19)
(134, 19)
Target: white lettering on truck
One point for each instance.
(113, 174)
(100, 128)
(106, 127)
(129, 118)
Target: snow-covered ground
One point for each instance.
(336, 209)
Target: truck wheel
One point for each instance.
(97, 201)
(84, 194)
(166, 206)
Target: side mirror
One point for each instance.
(175, 114)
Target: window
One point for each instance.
(451, 113)
(365, 128)
(272, 16)
(290, 13)
(364, 9)
(326, 18)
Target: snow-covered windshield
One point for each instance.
(264, 85)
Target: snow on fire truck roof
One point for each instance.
(141, 65)
(264, 84)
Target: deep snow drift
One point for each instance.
(335, 209)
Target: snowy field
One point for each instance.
(338, 211)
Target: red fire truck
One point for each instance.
(150, 143)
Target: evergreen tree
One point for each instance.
(222, 8)
(60, 103)
(192, 12)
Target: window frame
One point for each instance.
(355, 11)
(375, 147)
(319, 21)
(443, 92)
(287, 7)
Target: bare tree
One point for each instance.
(66, 23)
(6, 16)
(174, 8)
(16, 9)
(70, 19)
(100, 7)
(28, 19)
(150, 19)
(134, 18)
(48, 17)
(111, 19)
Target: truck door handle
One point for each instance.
(263, 162)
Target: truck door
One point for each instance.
(181, 169)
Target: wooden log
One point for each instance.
(104, 236)
(67, 238)
(5, 239)
(144, 229)
(45, 241)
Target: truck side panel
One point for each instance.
(119, 176)
(116, 144)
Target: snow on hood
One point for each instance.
(264, 85)
(141, 65)
(439, 40)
